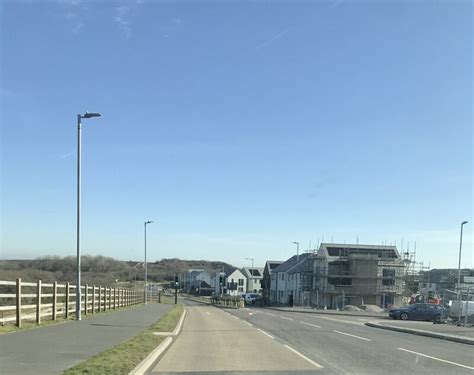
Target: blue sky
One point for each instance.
(238, 127)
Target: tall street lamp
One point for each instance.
(146, 269)
(251, 274)
(297, 250)
(78, 229)
(459, 271)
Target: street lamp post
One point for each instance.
(146, 268)
(251, 273)
(78, 228)
(459, 271)
(297, 250)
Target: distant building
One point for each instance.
(254, 279)
(357, 274)
(198, 282)
(443, 282)
(236, 283)
(282, 284)
(270, 265)
(339, 275)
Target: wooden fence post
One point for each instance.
(86, 297)
(93, 299)
(100, 296)
(110, 299)
(55, 297)
(67, 301)
(18, 302)
(38, 302)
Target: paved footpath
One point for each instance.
(53, 349)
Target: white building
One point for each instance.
(197, 280)
(284, 283)
(254, 279)
(236, 283)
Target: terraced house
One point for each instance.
(338, 275)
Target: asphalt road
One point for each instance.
(214, 341)
(258, 341)
(55, 348)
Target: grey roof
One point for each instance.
(270, 265)
(336, 250)
(302, 266)
(285, 266)
(256, 272)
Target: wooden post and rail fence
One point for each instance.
(25, 301)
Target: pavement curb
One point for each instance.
(176, 329)
(326, 313)
(151, 358)
(144, 365)
(419, 332)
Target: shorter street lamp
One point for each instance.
(459, 272)
(146, 269)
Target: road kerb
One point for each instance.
(144, 365)
(419, 332)
(176, 330)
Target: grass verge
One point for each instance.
(122, 358)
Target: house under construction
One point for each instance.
(348, 274)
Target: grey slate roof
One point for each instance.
(285, 266)
(302, 266)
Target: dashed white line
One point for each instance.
(284, 317)
(437, 359)
(348, 334)
(312, 325)
(249, 324)
(270, 314)
(304, 357)
(265, 333)
(208, 313)
(233, 316)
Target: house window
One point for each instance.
(388, 276)
(241, 282)
(241, 289)
(283, 276)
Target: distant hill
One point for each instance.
(100, 270)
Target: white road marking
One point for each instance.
(284, 317)
(336, 320)
(437, 359)
(208, 313)
(250, 313)
(270, 314)
(233, 316)
(312, 325)
(267, 334)
(304, 357)
(362, 319)
(348, 334)
(249, 324)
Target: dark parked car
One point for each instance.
(420, 311)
